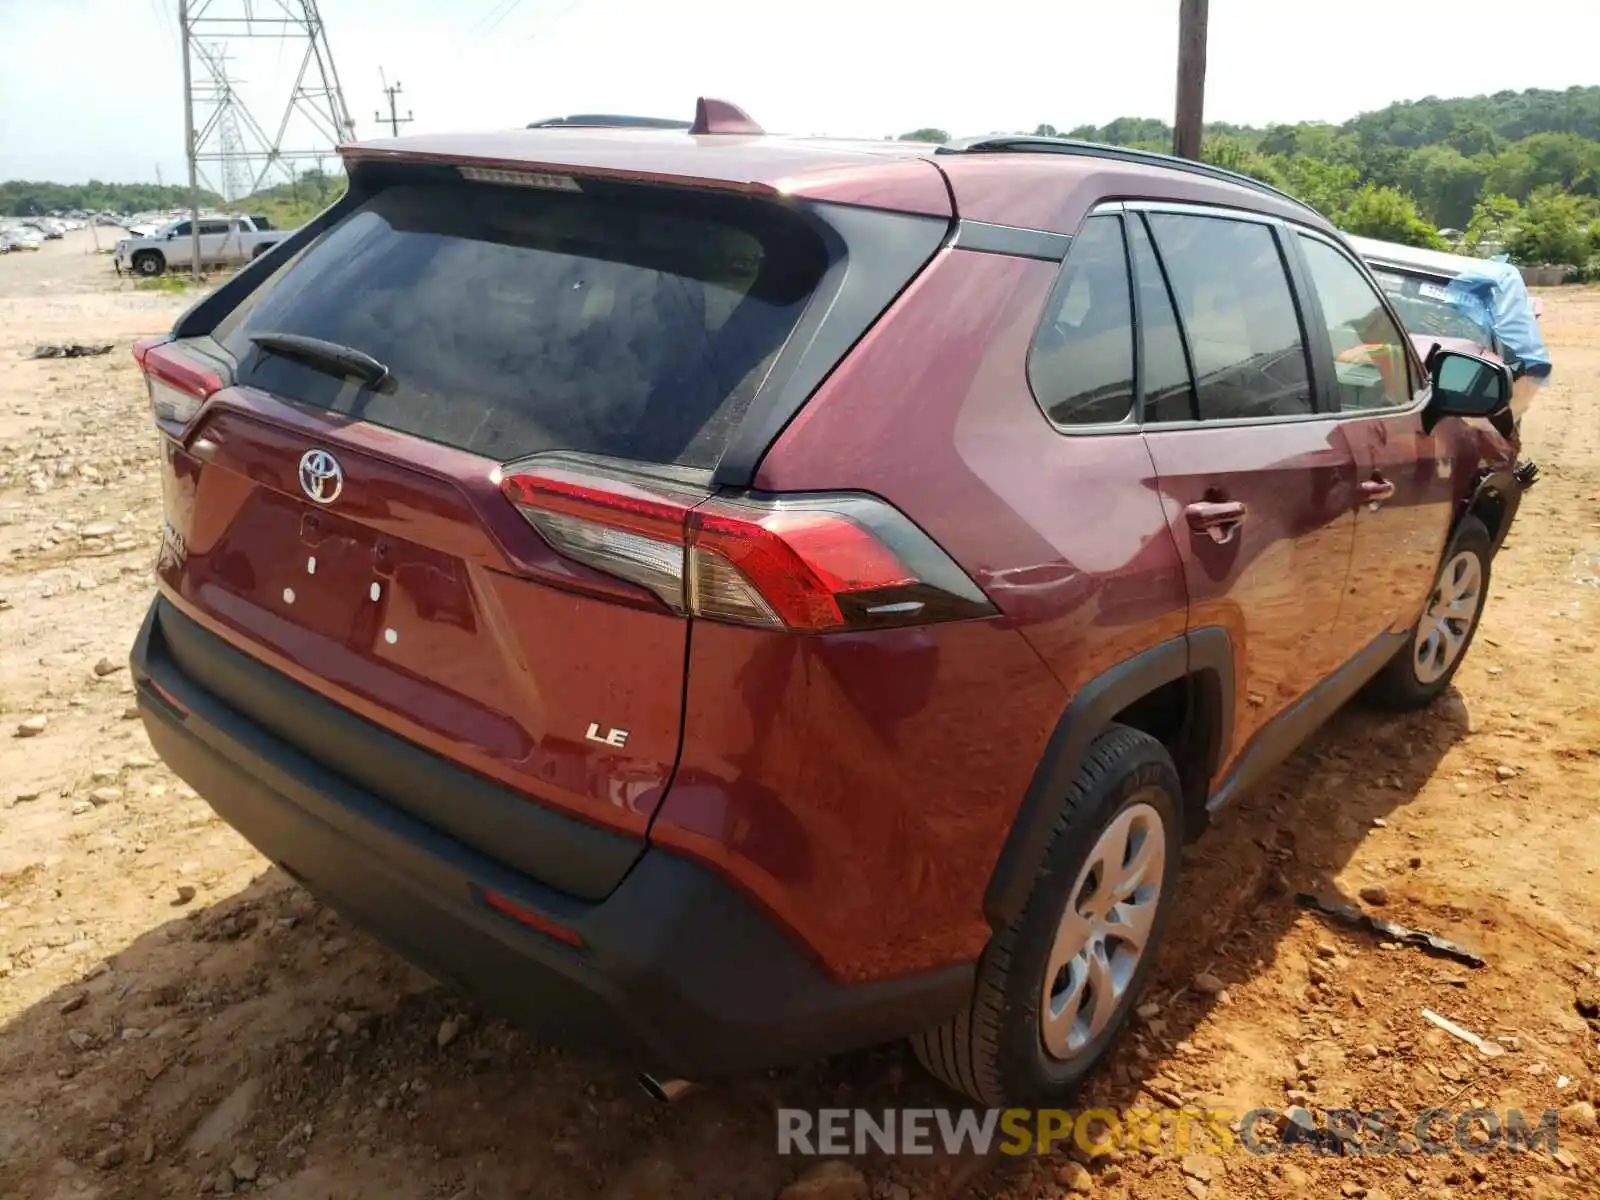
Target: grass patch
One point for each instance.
(163, 283)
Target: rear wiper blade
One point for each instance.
(324, 356)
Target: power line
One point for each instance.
(162, 12)
(496, 13)
(555, 20)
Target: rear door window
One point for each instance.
(1371, 368)
(1168, 391)
(624, 321)
(1233, 295)
(1081, 362)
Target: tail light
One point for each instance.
(812, 563)
(178, 382)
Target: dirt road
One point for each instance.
(176, 1018)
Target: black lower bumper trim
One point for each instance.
(579, 859)
(676, 967)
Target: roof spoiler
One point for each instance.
(719, 116)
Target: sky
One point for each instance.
(93, 88)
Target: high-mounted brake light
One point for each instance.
(543, 180)
(177, 382)
(812, 563)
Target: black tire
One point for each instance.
(149, 263)
(994, 1050)
(258, 252)
(1398, 688)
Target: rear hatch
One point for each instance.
(338, 506)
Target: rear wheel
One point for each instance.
(1428, 661)
(1055, 988)
(149, 262)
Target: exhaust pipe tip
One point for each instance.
(664, 1091)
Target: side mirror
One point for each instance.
(1466, 385)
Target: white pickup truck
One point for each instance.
(224, 241)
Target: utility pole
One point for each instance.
(1190, 120)
(189, 147)
(395, 119)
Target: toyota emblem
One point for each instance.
(321, 477)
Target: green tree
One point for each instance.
(1045, 131)
(1542, 159)
(1390, 216)
(1554, 228)
(26, 198)
(1472, 137)
(1464, 122)
(1445, 182)
(1326, 186)
(1235, 155)
(1493, 217)
(293, 204)
(1312, 140)
(927, 134)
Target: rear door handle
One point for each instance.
(1376, 491)
(1218, 518)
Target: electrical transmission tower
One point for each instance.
(218, 93)
(221, 130)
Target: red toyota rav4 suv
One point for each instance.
(746, 597)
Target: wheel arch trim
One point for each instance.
(1501, 484)
(1205, 655)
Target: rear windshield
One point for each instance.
(631, 322)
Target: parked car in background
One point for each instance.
(224, 241)
(23, 237)
(1468, 303)
(1478, 305)
(747, 597)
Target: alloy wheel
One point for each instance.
(1110, 912)
(1446, 622)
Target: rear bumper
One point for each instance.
(675, 967)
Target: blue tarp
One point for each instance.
(1493, 294)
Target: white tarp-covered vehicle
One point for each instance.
(1473, 304)
(1477, 305)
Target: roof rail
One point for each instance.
(608, 121)
(1022, 143)
(710, 116)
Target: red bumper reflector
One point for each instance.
(168, 698)
(533, 920)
